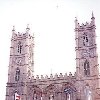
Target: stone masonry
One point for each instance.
(83, 85)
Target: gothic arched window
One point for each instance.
(19, 47)
(85, 39)
(17, 74)
(86, 68)
(69, 92)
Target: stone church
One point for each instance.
(83, 85)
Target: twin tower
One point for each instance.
(84, 85)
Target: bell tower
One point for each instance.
(20, 64)
(87, 71)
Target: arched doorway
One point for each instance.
(68, 91)
(51, 92)
(34, 92)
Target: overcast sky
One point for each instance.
(52, 22)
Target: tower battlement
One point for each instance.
(52, 77)
(85, 26)
(19, 35)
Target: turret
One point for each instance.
(76, 23)
(13, 31)
(27, 28)
(93, 19)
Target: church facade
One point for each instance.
(83, 85)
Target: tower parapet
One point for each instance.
(53, 77)
(85, 26)
(19, 35)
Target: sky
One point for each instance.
(52, 22)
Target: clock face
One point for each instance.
(18, 61)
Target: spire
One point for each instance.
(76, 22)
(27, 28)
(13, 31)
(92, 15)
(93, 19)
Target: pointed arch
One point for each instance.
(86, 68)
(34, 92)
(68, 91)
(51, 92)
(85, 39)
(68, 85)
(19, 48)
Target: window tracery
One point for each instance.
(68, 91)
(85, 39)
(86, 68)
(19, 47)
